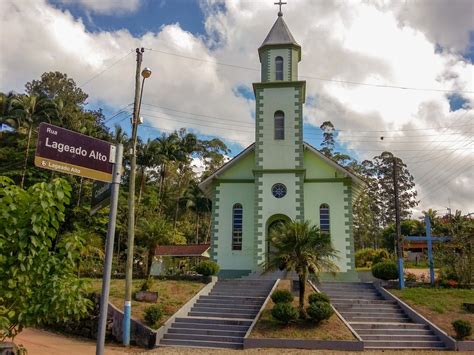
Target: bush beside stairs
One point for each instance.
(221, 318)
(381, 324)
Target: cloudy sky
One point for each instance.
(401, 70)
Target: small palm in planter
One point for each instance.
(145, 295)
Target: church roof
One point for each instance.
(208, 181)
(279, 34)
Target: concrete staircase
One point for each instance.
(381, 323)
(221, 318)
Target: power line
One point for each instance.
(312, 76)
(103, 71)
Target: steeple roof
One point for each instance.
(279, 34)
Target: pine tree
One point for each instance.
(383, 170)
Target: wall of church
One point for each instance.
(333, 194)
(228, 194)
(241, 170)
(279, 154)
(269, 207)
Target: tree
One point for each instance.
(327, 145)
(301, 247)
(30, 110)
(155, 231)
(56, 85)
(383, 173)
(38, 282)
(366, 228)
(457, 256)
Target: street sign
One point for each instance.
(100, 196)
(73, 153)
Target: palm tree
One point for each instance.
(147, 158)
(301, 247)
(196, 201)
(30, 110)
(5, 110)
(169, 149)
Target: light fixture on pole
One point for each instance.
(127, 309)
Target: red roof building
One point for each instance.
(183, 250)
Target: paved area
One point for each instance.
(40, 342)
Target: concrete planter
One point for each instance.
(146, 296)
(8, 349)
(466, 345)
(344, 345)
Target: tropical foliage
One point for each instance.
(301, 247)
(38, 282)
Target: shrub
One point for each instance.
(207, 268)
(284, 312)
(319, 311)
(147, 284)
(282, 296)
(463, 328)
(367, 257)
(152, 314)
(385, 270)
(318, 297)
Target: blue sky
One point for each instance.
(149, 17)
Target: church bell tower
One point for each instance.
(279, 171)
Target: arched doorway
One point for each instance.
(272, 223)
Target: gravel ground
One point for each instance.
(41, 342)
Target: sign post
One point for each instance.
(73, 153)
(109, 251)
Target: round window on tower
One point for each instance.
(279, 190)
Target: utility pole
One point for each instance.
(127, 309)
(401, 276)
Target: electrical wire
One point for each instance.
(312, 77)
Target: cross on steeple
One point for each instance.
(279, 3)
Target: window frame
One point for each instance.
(279, 125)
(237, 226)
(326, 226)
(279, 68)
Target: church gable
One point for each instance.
(318, 166)
(241, 169)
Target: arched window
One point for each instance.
(278, 68)
(237, 227)
(279, 125)
(324, 218)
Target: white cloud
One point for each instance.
(107, 7)
(375, 42)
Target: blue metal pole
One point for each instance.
(430, 248)
(401, 275)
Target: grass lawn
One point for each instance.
(440, 306)
(267, 327)
(171, 295)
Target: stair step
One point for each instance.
(390, 314)
(222, 315)
(210, 338)
(214, 321)
(398, 344)
(224, 310)
(405, 337)
(200, 344)
(232, 298)
(227, 305)
(246, 303)
(387, 325)
(378, 319)
(404, 332)
(191, 331)
(211, 327)
(262, 295)
(352, 301)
